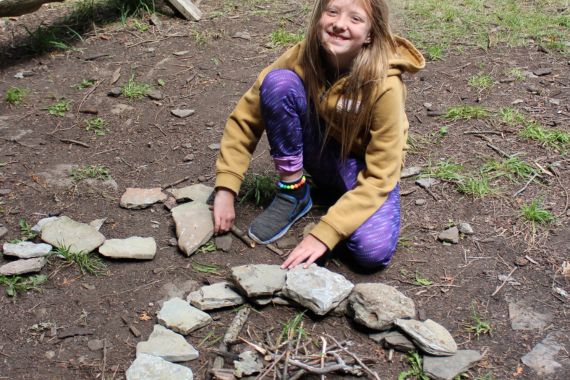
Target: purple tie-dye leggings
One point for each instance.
(295, 142)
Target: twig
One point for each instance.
(160, 129)
(276, 250)
(243, 237)
(76, 142)
(231, 334)
(105, 151)
(526, 185)
(360, 363)
(92, 90)
(566, 192)
(498, 150)
(177, 182)
(256, 347)
(504, 282)
(104, 358)
(483, 133)
(275, 361)
(131, 289)
(323, 355)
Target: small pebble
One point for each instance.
(115, 92)
(202, 178)
(189, 157)
(521, 261)
(420, 202)
(50, 355)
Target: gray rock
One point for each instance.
(542, 71)
(394, 340)
(426, 183)
(420, 202)
(451, 235)
(155, 94)
(276, 300)
(60, 177)
(259, 280)
(179, 316)
(524, 317)
(215, 146)
(287, 242)
(194, 226)
(96, 344)
(410, 172)
(545, 359)
(4, 192)
(149, 367)
(189, 157)
(554, 101)
(50, 355)
(134, 247)
(215, 296)
(120, 108)
(97, 223)
(377, 306)
(182, 113)
(242, 35)
(26, 249)
(223, 242)
(23, 266)
(3, 231)
(429, 336)
(167, 345)
(465, 229)
(248, 364)
(67, 233)
(135, 198)
(197, 193)
(446, 368)
(316, 288)
(115, 92)
(177, 290)
(181, 53)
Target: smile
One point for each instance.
(337, 37)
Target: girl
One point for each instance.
(333, 106)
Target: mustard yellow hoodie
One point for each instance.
(382, 148)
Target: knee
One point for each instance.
(373, 256)
(282, 85)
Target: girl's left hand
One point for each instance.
(308, 251)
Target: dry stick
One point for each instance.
(320, 371)
(526, 185)
(275, 361)
(231, 334)
(160, 129)
(177, 182)
(323, 355)
(483, 133)
(75, 142)
(104, 358)
(88, 95)
(243, 237)
(372, 373)
(566, 192)
(504, 282)
(498, 150)
(276, 250)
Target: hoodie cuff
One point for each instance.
(326, 234)
(229, 181)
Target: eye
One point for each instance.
(332, 11)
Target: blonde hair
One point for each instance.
(368, 68)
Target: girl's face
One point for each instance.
(344, 27)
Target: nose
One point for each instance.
(339, 24)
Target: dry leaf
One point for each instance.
(145, 317)
(116, 76)
(519, 371)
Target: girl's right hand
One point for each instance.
(224, 212)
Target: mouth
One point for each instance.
(336, 36)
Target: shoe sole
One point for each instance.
(284, 229)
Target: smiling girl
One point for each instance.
(332, 106)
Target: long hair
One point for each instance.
(367, 71)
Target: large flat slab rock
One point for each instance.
(26, 249)
(215, 296)
(167, 345)
(394, 340)
(430, 337)
(377, 306)
(316, 288)
(197, 193)
(42, 222)
(136, 198)
(447, 367)
(549, 358)
(180, 316)
(524, 317)
(59, 177)
(149, 367)
(65, 232)
(135, 247)
(23, 266)
(259, 280)
(194, 226)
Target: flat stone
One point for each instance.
(23, 266)
(430, 337)
(276, 300)
(215, 146)
(189, 157)
(448, 367)
(316, 288)
(542, 71)
(3, 231)
(50, 355)
(149, 367)
(465, 229)
(182, 113)
(451, 235)
(115, 92)
(136, 198)
(242, 35)
(181, 53)
(259, 280)
(545, 359)
(120, 108)
(26, 250)
(287, 242)
(194, 226)
(97, 223)
(410, 172)
(554, 101)
(131, 248)
(4, 192)
(167, 345)
(377, 306)
(197, 193)
(426, 183)
(420, 202)
(67, 233)
(96, 344)
(223, 242)
(215, 296)
(177, 290)
(179, 316)
(248, 364)
(394, 340)
(155, 94)
(59, 177)
(524, 317)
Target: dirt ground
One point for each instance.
(146, 147)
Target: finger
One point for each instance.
(311, 260)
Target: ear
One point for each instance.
(368, 39)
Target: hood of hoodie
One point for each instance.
(406, 58)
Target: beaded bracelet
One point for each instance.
(293, 186)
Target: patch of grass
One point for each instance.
(478, 187)
(416, 371)
(140, 26)
(90, 171)
(59, 108)
(97, 125)
(210, 246)
(85, 83)
(553, 138)
(86, 262)
(45, 39)
(481, 82)
(511, 116)
(435, 52)
(16, 284)
(201, 37)
(516, 73)
(293, 327)
(26, 232)
(16, 95)
(258, 189)
(422, 281)
(487, 376)
(533, 212)
(465, 112)
(135, 90)
(446, 170)
(281, 37)
(513, 168)
(479, 326)
(206, 268)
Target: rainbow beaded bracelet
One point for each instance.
(292, 186)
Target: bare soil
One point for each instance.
(145, 147)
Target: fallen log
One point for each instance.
(9, 8)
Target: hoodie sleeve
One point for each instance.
(384, 155)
